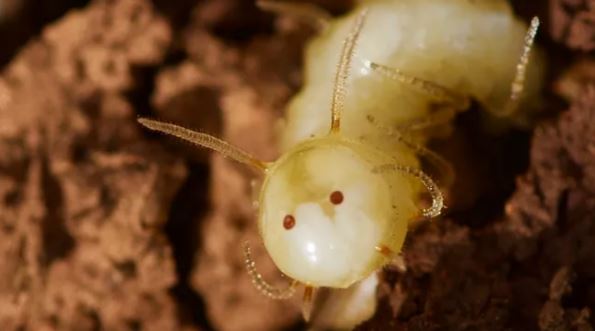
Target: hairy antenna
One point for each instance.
(205, 140)
(518, 84)
(343, 71)
(437, 199)
(262, 285)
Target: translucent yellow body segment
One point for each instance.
(331, 241)
(470, 47)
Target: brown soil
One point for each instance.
(104, 226)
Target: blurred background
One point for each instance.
(104, 226)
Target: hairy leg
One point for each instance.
(444, 171)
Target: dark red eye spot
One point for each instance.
(336, 197)
(288, 222)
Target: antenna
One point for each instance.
(343, 71)
(205, 140)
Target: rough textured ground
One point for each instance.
(106, 227)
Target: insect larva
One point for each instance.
(335, 207)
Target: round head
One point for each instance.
(324, 213)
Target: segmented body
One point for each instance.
(415, 61)
(470, 47)
(335, 206)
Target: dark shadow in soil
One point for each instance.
(57, 241)
(140, 96)
(177, 12)
(182, 230)
(28, 21)
(501, 158)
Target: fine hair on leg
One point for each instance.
(437, 199)
(440, 93)
(518, 83)
(442, 166)
(262, 285)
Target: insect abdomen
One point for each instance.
(470, 47)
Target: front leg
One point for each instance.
(441, 94)
(442, 167)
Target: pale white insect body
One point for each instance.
(335, 206)
(472, 57)
(469, 47)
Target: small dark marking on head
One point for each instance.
(288, 222)
(336, 197)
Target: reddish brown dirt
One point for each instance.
(107, 227)
(572, 23)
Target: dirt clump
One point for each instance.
(82, 204)
(573, 23)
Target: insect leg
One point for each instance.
(205, 140)
(263, 286)
(442, 166)
(437, 199)
(518, 83)
(308, 302)
(441, 93)
(442, 116)
(314, 15)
